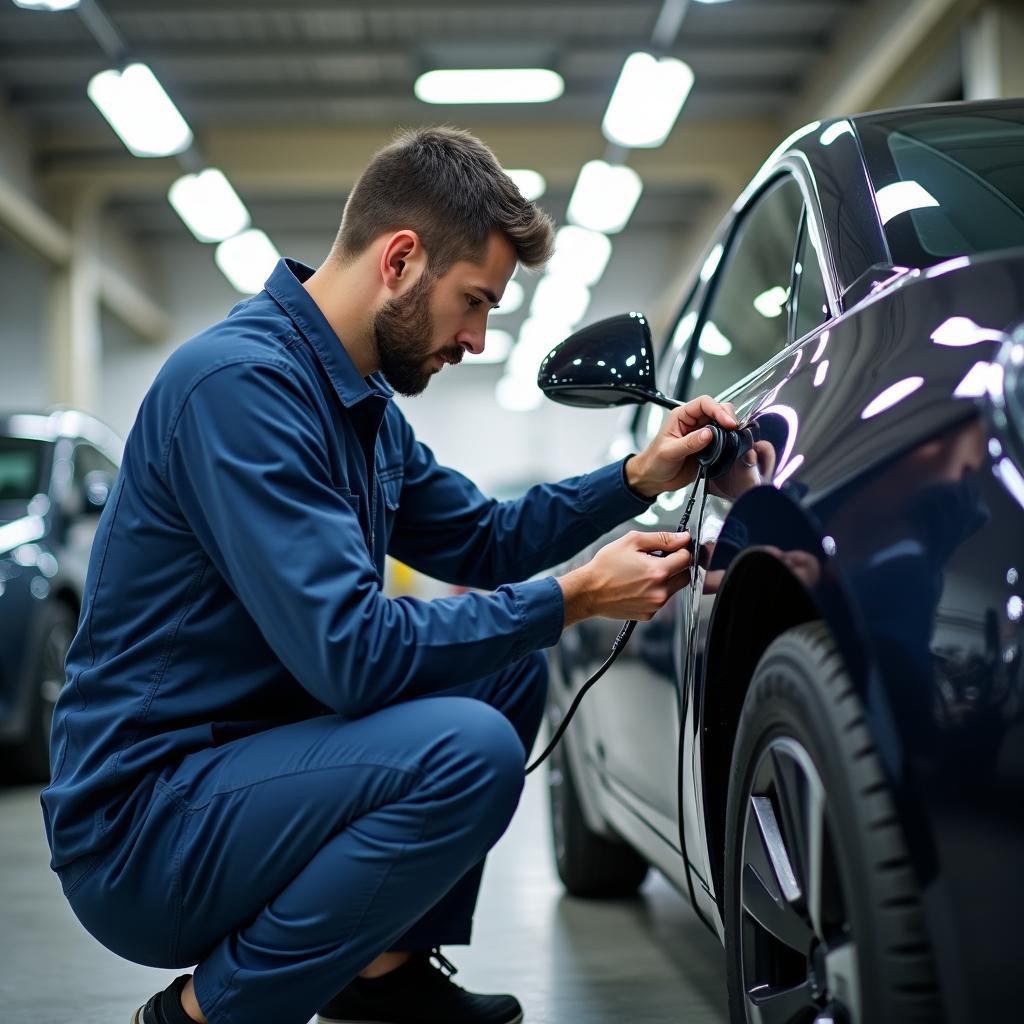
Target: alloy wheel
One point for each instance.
(798, 954)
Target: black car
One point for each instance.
(821, 740)
(56, 471)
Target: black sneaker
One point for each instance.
(421, 991)
(165, 1007)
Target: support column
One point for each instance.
(992, 47)
(75, 352)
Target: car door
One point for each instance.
(92, 472)
(769, 292)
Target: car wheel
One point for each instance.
(823, 914)
(589, 864)
(30, 760)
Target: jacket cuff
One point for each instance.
(541, 610)
(608, 499)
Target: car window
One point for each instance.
(747, 321)
(88, 460)
(810, 301)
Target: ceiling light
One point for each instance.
(604, 196)
(900, 197)
(489, 85)
(46, 5)
(713, 341)
(561, 299)
(530, 183)
(518, 394)
(247, 260)
(208, 205)
(647, 99)
(511, 300)
(537, 337)
(497, 345)
(772, 302)
(580, 254)
(138, 109)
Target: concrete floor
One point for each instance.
(646, 961)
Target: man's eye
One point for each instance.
(473, 301)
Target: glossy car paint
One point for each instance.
(875, 507)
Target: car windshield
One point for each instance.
(947, 184)
(20, 468)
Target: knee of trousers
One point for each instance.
(479, 758)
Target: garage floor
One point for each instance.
(639, 962)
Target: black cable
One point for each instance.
(618, 644)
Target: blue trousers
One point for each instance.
(284, 862)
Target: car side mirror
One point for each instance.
(605, 364)
(97, 487)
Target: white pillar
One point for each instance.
(993, 45)
(75, 341)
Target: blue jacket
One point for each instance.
(235, 579)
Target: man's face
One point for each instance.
(438, 319)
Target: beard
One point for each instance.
(403, 330)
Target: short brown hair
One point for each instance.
(449, 188)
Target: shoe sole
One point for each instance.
(517, 1019)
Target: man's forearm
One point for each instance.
(575, 596)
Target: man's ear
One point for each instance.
(402, 260)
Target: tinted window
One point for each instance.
(810, 300)
(20, 463)
(947, 184)
(748, 321)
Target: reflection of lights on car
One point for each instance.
(995, 449)
(901, 197)
(835, 131)
(1009, 475)
(892, 395)
(792, 419)
(962, 331)
(819, 374)
(681, 335)
(771, 302)
(828, 545)
(1012, 576)
(1014, 608)
(821, 346)
(671, 500)
(957, 263)
(698, 368)
(711, 263)
(647, 518)
(979, 380)
(790, 468)
(796, 362)
(713, 341)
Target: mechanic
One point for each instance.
(261, 764)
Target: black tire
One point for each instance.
(839, 935)
(589, 865)
(30, 758)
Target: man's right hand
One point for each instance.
(626, 580)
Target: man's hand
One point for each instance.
(626, 580)
(667, 463)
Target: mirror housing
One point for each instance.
(605, 364)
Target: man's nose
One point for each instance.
(472, 341)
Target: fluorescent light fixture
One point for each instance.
(531, 184)
(247, 260)
(900, 197)
(47, 5)
(518, 394)
(711, 263)
(561, 299)
(537, 337)
(21, 531)
(208, 205)
(497, 345)
(713, 341)
(511, 299)
(772, 302)
(137, 108)
(646, 101)
(489, 85)
(835, 131)
(961, 332)
(580, 254)
(604, 197)
(893, 394)
(712, 1)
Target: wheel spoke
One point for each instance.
(773, 913)
(780, 1006)
(791, 795)
(842, 972)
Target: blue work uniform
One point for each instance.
(260, 763)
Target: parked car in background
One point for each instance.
(821, 740)
(56, 471)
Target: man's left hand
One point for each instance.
(667, 463)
